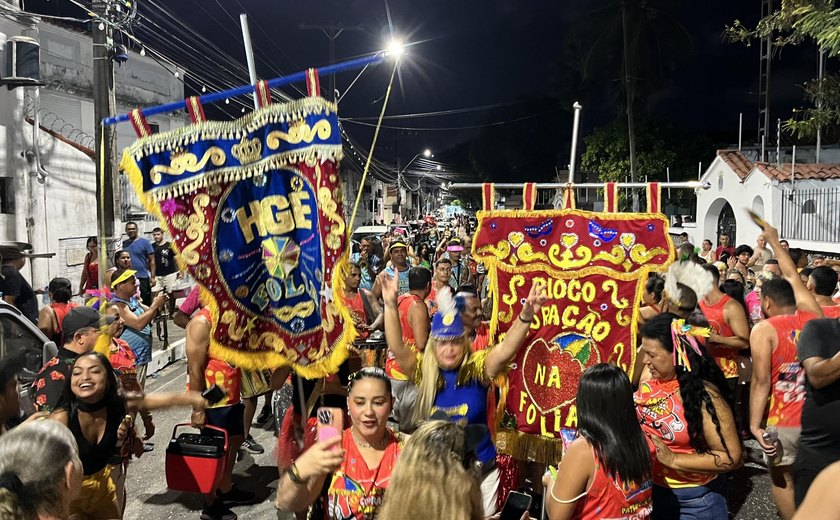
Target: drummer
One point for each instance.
(365, 310)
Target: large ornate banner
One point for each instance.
(594, 266)
(254, 207)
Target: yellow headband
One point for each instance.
(128, 273)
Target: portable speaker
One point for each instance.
(22, 67)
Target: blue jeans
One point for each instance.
(695, 503)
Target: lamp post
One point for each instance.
(425, 153)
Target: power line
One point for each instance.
(454, 128)
(440, 112)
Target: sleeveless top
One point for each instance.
(831, 311)
(358, 312)
(612, 498)
(92, 269)
(392, 368)
(787, 376)
(140, 341)
(124, 364)
(662, 414)
(356, 491)
(221, 374)
(402, 278)
(465, 404)
(726, 358)
(60, 310)
(96, 456)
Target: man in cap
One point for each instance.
(460, 269)
(81, 327)
(398, 250)
(136, 317)
(15, 289)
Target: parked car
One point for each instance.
(18, 334)
(361, 232)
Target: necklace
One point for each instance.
(376, 445)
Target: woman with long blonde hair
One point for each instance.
(434, 462)
(451, 378)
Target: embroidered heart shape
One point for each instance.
(516, 238)
(627, 240)
(568, 240)
(551, 371)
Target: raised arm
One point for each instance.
(805, 301)
(406, 359)
(499, 356)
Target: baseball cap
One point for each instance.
(82, 317)
(455, 245)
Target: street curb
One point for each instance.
(161, 358)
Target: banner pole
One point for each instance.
(249, 54)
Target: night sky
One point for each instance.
(483, 52)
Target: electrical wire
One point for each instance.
(456, 128)
(441, 112)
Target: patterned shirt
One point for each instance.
(51, 383)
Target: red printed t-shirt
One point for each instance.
(356, 491)
(831, 311)
(786, 374)
(358, 313)
(609, 497)
(661, 413)
(431, 300)
(726, 358)
(222, 374)
(392, 368)
(124, 362)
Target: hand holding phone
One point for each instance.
(516, 505)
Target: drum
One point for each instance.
(373, 353)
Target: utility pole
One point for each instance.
(103, 106)
(332, 31)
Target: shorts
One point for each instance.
(789, 438)
(692, 503)
(809, 463)
(255, 382)
(141, 375)
(165, 283)
(102, 495)
(229, 418)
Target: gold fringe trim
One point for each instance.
(532, 448)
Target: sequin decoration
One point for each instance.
(225, 255)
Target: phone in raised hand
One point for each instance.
(330, 424)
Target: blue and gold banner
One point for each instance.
(254, 207)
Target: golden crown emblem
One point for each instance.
(247, 151)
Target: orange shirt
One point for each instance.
(392, 368)
(609, 497)
(359, 313)
(726, 358)
(831, 311)
(787, 376)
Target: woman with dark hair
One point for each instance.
(686, 410)
(90, 271)
(605, 472)
(735, 290)
(51, 316)
(360, 461)
(423, 256)
(652, 298)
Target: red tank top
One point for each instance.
(359, 313)
(831, 311)
(61, 310)
(93, 275)
(609, 497)
(221, 374)
(786, 374)
(661, 413)
(392, 368)
(726, 358)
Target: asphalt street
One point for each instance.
(149, 498)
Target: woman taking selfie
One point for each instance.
(453, 379)
(605, 472)
(360, 460)
(685, 408)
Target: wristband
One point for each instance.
(294, 475)
(525, 321)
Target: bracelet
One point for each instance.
(294, 475)
(525, 321)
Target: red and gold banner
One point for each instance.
(594, 266)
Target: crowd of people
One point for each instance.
(735, 343)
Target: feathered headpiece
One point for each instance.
(447, 323)
(685, 336)
(690, 275)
